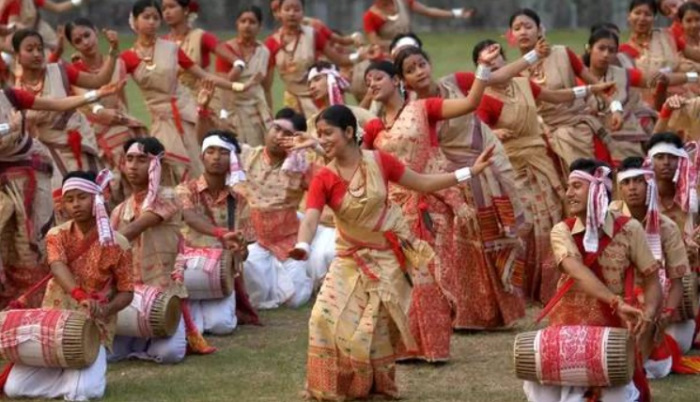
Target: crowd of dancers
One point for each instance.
(437, 204)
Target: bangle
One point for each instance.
(237, 87)
(354, 57)
(91, 96)
(6, 57)
(580, 91)
(356, 36)
(224, 114)
(457, 12)
(615, 303)
(219, 233)
(531, 57)
(616, 106)
(483, 73)
(665, 113)
(303, 246)
(691, 76)
(239, 64)
(96, 109)
(463, 174)
(76, 3)
(78, 294)
(4, 128)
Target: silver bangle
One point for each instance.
(616, 106)
(354, 57)
(303, 246)
(239, 64)
(483, 73)
(463, 174)
(4, 129)
(457, 12)
(531, 57)
(96, 109)
(580, 92)
(691, 76)
(76, 3)
(91, 96)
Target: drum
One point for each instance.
(208, 273)
(578, 356)
(151, 314)
(48, 338)
(688, 308)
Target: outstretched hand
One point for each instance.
(483, 161)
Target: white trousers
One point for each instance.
(49, 383)
(551, 393)
(322, 254)
(216, 317)
(160, 350)
(272, 283)
(683, 333)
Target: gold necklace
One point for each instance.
(144, 55)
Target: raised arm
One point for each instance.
(62, 7)
(93, 81)
(434, 12)
(511, 70)
(570, 94)
(74, 102)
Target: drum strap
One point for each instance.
(591, 261)
(231, 209)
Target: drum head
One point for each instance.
(690, 303)
(226, 273)
(91, 342)
(173, 312)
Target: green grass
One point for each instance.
(268, 363)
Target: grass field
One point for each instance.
(268, 363)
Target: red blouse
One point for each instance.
(274, 46)
(490, 108)
(327, 188)
(25, 99)
(433, 108)
(15, 8)
(373, 22)
(208, 46)
(132, 60)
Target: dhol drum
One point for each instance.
(48, 338)
(151, 314)
(578, 356)
(688, 308)
(208, 273)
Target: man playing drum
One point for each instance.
(211, 211)
(675, 174)
(91, 267)
(596, 250)
(150, 219)
(640, 201)
(276, 179)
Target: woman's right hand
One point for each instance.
(542, 48)
(111, 89)
(675, 102)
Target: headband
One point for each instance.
(235, 174)
(104, 229)
(597, 205)
(406, 41)
(336, 84)
(154, 172)
(652, 226)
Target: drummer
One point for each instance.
(211, 211)
(639, 201)
(665, 151)
(150, 219)
(597, 299)
(91, 265)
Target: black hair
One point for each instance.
(594, 38)
(398, 37)
(78, 22)
(151, 145)
(528, 12)
(650, 3)
(226, 136)
(483, 45)
(298, 121)
(587, 165)
(340, 116)
(255, 10)
(23, 34)
(667, 137)
(686, 7)
(604, 25)
(183, 3)
(382, 65)
(631, 162)
(141, 5)
(282, 3)
(79, 174)
(404, 54)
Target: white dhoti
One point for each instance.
(160, 350)
(683, 333)
(657, 369)
(552, 393)
(322, 254)
(216, 317)
(272, 283)
(49, 383)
